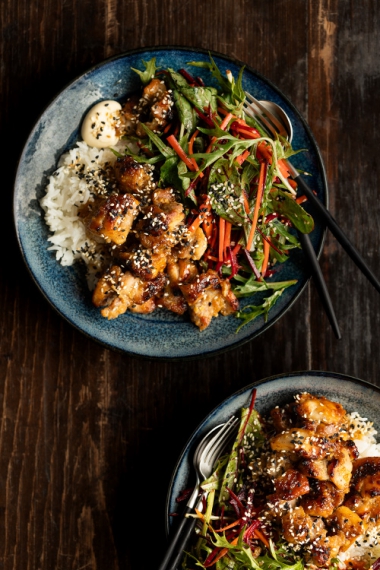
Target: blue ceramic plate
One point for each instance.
(161, 334)
(355, 396)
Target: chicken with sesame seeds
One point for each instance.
(116, 291)
(133, 177)
(364, 495)
(193, 245)
(208, 295)
(110, 219)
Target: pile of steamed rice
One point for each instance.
(68, 189)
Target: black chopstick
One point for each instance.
(319, 281)
(325, 215)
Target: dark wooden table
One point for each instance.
(89, 437)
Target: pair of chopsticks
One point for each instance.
(341, 237)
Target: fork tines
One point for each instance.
(258, 112)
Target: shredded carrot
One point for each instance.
(259, 195)
(222, 126)
(236, 249)
(245, 202)
(204, 210)
(250, 134)
(228, 526)
(261, 537)
(227, 238)
(222, 228)
(301, 199)
(240, 159)
(264, 266)
(167, 128)
(191, 144)
(192, 165)
(223, 552)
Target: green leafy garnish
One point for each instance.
(150, 69)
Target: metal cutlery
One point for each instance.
(208, 450)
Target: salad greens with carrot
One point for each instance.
(229, 531)
(233, 181)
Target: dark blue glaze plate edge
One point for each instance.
(271, 391)
(204, 351)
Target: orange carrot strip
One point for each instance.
(283, 167)
(227, 238)
(204, 209)
(225, 121)
(245, 202)
(207, 226)
(264, 266)
(228, 526)
(260, 191)
(240, 159)
(191, 143)
(188, 161)
(261, 537)
(224, 551)
(249, 134)
(301, 199)
(222, 126)
(236, 249)
(222, 229)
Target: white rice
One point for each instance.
(366, 547)
(74, 183)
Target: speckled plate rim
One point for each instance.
(285, 385)
(319, 247)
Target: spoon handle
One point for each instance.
(320, 282)
(336, 230)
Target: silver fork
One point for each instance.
(275, 121)
(208, 451)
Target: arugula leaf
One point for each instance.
(231, 471)
(166, 151)
(285, 205)
(252, 286)
(227, 84)
(187, 115)
(200, 97)
(150, 70)
(250, 312)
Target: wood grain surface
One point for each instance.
(89, 437)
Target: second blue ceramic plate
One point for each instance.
(355, 396)
(162, 334)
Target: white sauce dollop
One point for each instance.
(99, 125)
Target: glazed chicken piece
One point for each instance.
(147, 263)
(304, 442)
(345, 521)
(110, 219)
(320, 414)
(364, 497)
(162, 223)
(178, 272)
(322, 500)
(207, 296)
(129, 116)
(314, 468)
(133, 177)
(116, 291)
(156, 103)
(324, 548)
(193, 245)
(340, 469)
(291, 485)
(283, 417)
(300, 528)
